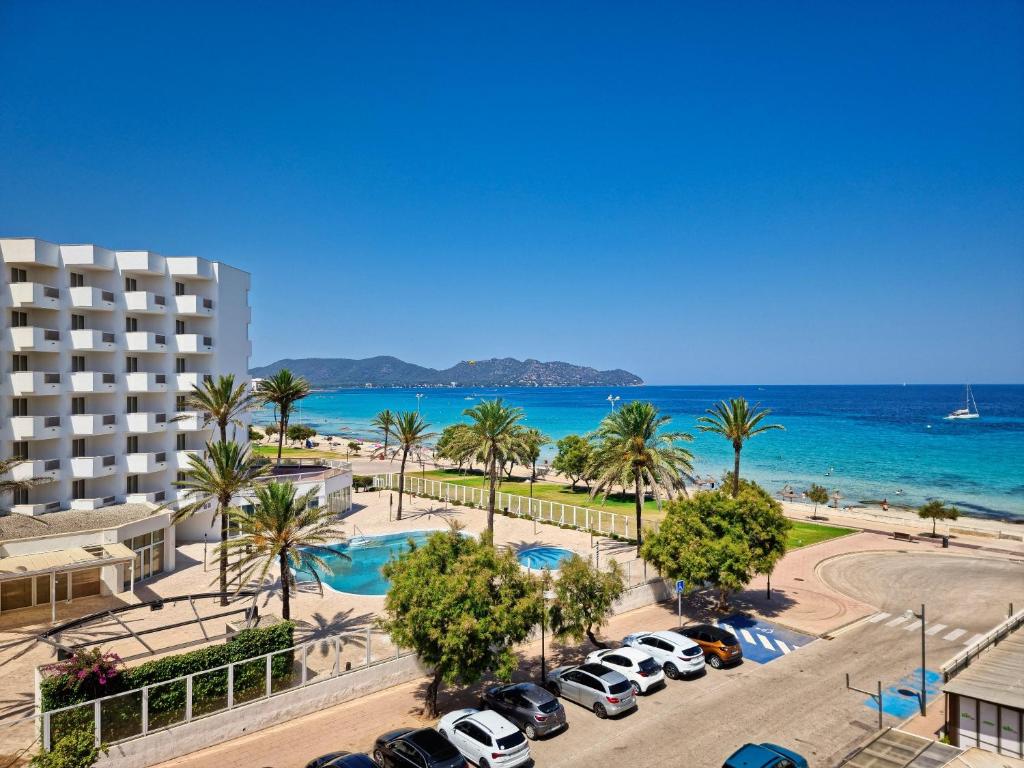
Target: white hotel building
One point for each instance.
(98, 351)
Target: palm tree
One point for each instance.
(384, 421)
(631, 450)
(8, 484)
(533, 441)
(495, 435)
(221, 402)
(409, 431)
(285, 529)
(283, 389)
(229, 470)
(738, 422)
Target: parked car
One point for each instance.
(764, 756)
(416, 748)
(342, 760)
(532, 709)
(593, 686)
(720, 646)
(486, 738)
(679, 656)
(641, 669)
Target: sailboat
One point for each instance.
(966, 412)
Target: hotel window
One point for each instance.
(77, 322)
(181, 477)
(19, 406)
(77, 363)
(130, 284)
(78, 489)
(131, 324)
(21, 496)
(18, 275)
(179, 365)
(78, 448)
(179, 403)
(131, 365)
(132, 444)
(132, 405)
(77, 280)
(77, 405)
(179, 442)
(19, 363)
(179, 326)
(20, 449)
(19, 319)
(179, 289)
(132, 484)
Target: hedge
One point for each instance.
(121, 717)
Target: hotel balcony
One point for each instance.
(36, 508)
(145, 302)
(34, 295)
(194, 342)
(35, 427)
(35, 383)
(151, 497)
(33, 339)
(93, 381)
(28, 250)
(193, 306)
(87, 297)
(90, 467)
(93, 503)
(39, 470)
(186, 382)
(141, 262)
(144, 341)
(189, 266)
(91, 340)
(93, 424)
(189, 421)
(140, 423)
(87, 257)
(146, 463)
(146, 382)
(183, 458)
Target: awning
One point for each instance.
(63, 560)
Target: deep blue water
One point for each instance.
(876, 440)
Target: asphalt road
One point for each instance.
(800, 700)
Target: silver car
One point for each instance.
(593, 686)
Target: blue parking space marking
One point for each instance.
(763, 641)
(902, 699)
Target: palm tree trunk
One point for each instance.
(224, 554)
(401, 481)
(286, 608)
(638, 492)
(737, 447)
(280, 434)
(493, 472)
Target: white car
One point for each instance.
(641, 669)
(486, 738)
(679, 656)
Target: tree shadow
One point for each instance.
(18, 706)
(702, 606)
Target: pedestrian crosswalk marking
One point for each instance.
(765, 643)
(974, 639)
(934, 629)
(783, 647)
(747, 636)
(916, 624)
(879, 617)
(897, 620)
(955, 634)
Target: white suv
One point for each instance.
(642, 671)
(679, 656)
(485, 738)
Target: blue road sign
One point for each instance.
(763, 641)
(680, 587)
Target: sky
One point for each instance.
(698, 192)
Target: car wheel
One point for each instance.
(636, 688)
(481, 704)
(553, 689)
(482, 763)
(714, 661)
(671, 672)
(378, 757)
(600, 711)
(444, 733)
(530, 731)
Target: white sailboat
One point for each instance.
(966, 412)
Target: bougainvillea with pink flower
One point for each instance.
(88, 669)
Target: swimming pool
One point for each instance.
(537, 558)
(361, 575)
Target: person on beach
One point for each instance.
(885, 505)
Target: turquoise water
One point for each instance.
(361, 574)
(543, 557)
(869, 442)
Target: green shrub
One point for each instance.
(362, 482)
(75, 750)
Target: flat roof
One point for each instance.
(14, 526)
(60, 560)
(892, 748)
(997, 676)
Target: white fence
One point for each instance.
(542, 510)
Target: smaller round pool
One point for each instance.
(537, 558)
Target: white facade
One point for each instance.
(98, 350)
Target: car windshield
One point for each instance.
(434, 744)
(619, 687)
(547, 707)
(512, 740)
(649, 665)
(725, 638)
(694, 651)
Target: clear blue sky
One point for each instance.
(698, 192)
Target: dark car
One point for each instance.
(416, 748)
(341, 760)
(529, 707)
(720, 646)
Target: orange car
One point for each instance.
(720, 647)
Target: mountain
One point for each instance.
(384, 371)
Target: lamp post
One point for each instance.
(613, 399)
(419, 396)
(547, 594)
(924, 683)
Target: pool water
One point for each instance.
(537, 558)
(361, 575)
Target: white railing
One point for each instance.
(963, 659)
(138, 712)
(542, 510)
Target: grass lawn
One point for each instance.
(802, 534)
(270, 451)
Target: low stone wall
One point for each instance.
(169, 743)
(657, 591)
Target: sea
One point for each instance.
(866, 442)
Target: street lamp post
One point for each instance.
(613, 399)
(924, 682)
(419, 396)
(548, 594)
